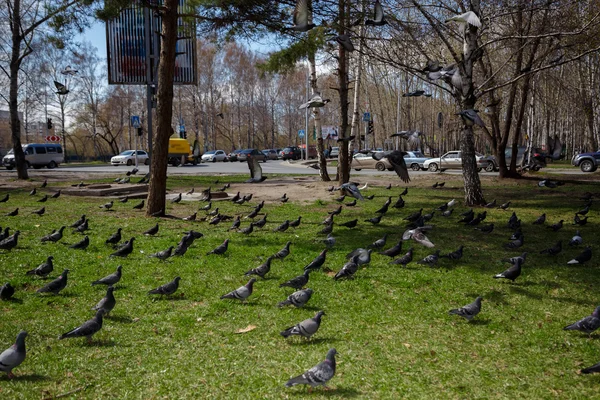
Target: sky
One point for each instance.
(97, 36)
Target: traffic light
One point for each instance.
(140, 131)
(49, 123)
(183, 134)
(371, 130)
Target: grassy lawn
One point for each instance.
(389, 325)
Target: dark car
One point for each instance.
(243, 155)
(588, 162)
(233, 156)
(291, 153)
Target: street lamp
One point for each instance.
(407, 134)
(68, 71)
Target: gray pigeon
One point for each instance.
(241, 293)
(152, 231)
(298, 282)
(124, 251)
(168, 288)
(55, 236)
(262, 270)
(283, 253)
(297, 299)
(114, 238)
(87, 329)
(393, 251)
(306, 328)
(111, 279)
(349, 269)
(470, 310)
(576, 240)
(56, 285)
(163, 254)
(43, 269)
(511, 273)
(6, 291)
(588, 324)
(584, 256)
(220, 249)
(317, 262)
(108, 302)
(82, 244)
(352, 190)
(318, 375)
(14, 355)
(405, 259)
(107, 206)
(431, 259)
(10, 242)
(283, 227)
(379, 243)
(363, 256)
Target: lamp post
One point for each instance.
(416, 93)
(68, 71)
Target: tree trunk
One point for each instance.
(321, 160)
(164, 110)
(344, 156)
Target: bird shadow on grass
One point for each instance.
(29, 378)
(339, 391)
(100, 343)
(495, 296)
(120, 318)
(482, 322)
(169, 298)
(310, 342)
(14, 300)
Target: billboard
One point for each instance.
(133, 47)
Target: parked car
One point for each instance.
(243, 155)
(214, 156)
(128, 158)
(588, 162)
(415, 160)
(233, 156)
(335, 152)
(291, 153)
(271, 154)
(37, 156)
(452, 160)
(366, 161)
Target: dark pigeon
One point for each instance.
(431, 259)
(379, 243)
(296, 223)
(163, 254)
(87, 329)
(393, 251)
(283, 227)
(82, 244)
(511, 273)
(262, 270)
(56, 285)
(124, 251)
(485, 228)
(220, 249)
(44, 269)
(587, 324)
(107, 303)
(317, 262)
(349, 269)
(554, 250)
(349, 224)
(297, 282)
(283, 253)
(540, 220)
(168, 288)
(455, 255)
(583, 257)
(152, 231)
(114, 238)
(139, 206)
(557, 226)
(6, 291)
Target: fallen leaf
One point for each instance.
(407, 345)
(246, 329)
(330, 274)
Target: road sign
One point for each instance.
(135, 121)
(181, 128)
(300, 133)
(52, 138)
(367, 116)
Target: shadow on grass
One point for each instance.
(29, 378)
(495, 295)
(310, 342)
(14, 300)
(482, 322)
(120, 318)
(341, 392)
(100, 343)
(525, 292)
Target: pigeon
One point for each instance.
(418, 236)
(56, 195)
(554, 250)
(139, 206)
(248, 230)
(388, 187)
(399, 203)
(329, 241)
(152, 231)
(576, 240)
(504, 206)
(124, 251)
(352, 190)
(486, 228)
(374, 220)
(236, 197)
(584, 256)
(469, 311)
(393, 251)
(364, 256)
(14, 356)
(297, 299)
(470, 117)
(40, 211)
(469, 18)
(283, 227)
(371, 197)
(177, 199)
(306, 328)
(256, 172)
(4, 234)
(10, 242)
(583, 211)
(349, 268)
(44, 269)
(320, 374)
(327, 229)
(455, 255)
(220, 249)
(579, 221)
(431, 259)
(253, 214)
(447, 213)
(302, 14)
(396, 159)
(236, 224)
(405, 259)
(491, 204)
(379, 243)
(428, 217)
(557, 226)
(349, 224)
(297, 282)
(82, 244)
(512, 273)
(87, 329)
(315, 102)
(517, 234)
(587, 324)
(435, 185)
(13, 213)
(261, 222)
(6, 291)
(467, 213)
(55, 236)
(242, 293)
(61, 89)
(262, 270)
(107, 206)
(379, 17)
(296, 223)
(56, 285)
(190, 217)
(163, 254)
(80, 221)
(114, 238)
(167, 289)
(384, 208)
(5, 198)
(283, 253)
(284, 198)
(83, 227)
(214, 212)
(337, 211)
(593, 368)
(414, 216)
(340, 199)
(111, 279)
(443, 207)
(317, 262)
(248, 197)
(516, 259)
(540, 220)
(206, 195)
(107, 303)
(515, 244)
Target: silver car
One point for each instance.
(452, 160)
(366, 161)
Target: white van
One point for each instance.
(37, 156)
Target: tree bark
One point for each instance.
(164, 110)
(344, 156)
(321, 160)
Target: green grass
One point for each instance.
(390, 325)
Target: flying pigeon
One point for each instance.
(6, 291)
(43, 269)
(163, 254)
(576, 240)
(470, 310)
(152, 231)
(168, 288)
(302, 14)
(107, 303)
(111, 279)
(352, 190)
(379, 17)
(297, 299)
(262, 270)
(418, 236)
(467, 18)
(114, 238)
(124, 251)
(471, 118)
(584, 256)
(306, 328)
(56, 285)
(241, 293)
(320, 374)
(349, 268)
(14, 355)
(345, 42)
(61, 89)
(82, 244)
(587, 324)
(431, 259)
(87, 329)
(315, 102)
(396, 158)
(317, 262)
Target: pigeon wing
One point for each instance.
(473, 19)
(396, 158)
(301, 13)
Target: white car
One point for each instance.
(452, 160)
(128, 158)
(214, 156)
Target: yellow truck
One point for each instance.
(180, 149)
